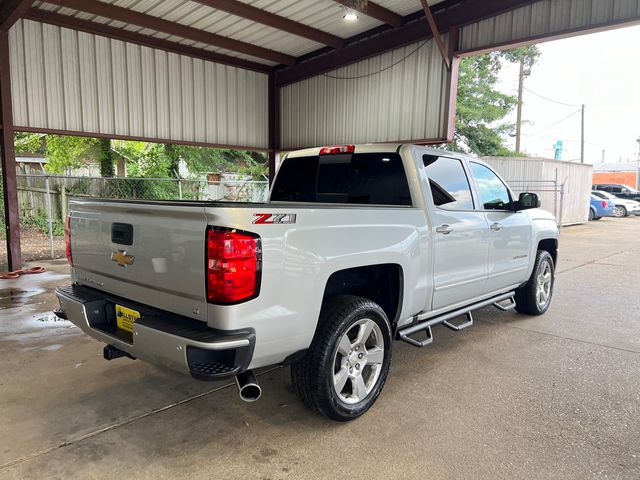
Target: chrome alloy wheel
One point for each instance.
(543, 285)
(618, 212)
(358, 361)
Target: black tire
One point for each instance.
(597, 218)
(591, 214)
(527, 296)
(624, 211)
(313, 376)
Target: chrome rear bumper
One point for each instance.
(159, 337)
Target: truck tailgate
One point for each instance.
(150, 252)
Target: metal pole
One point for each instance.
(8, 160)
(582, 137)
(180, 188)
(49, 217)
(519, 119)
(555, 195)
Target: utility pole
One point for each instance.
(519, 119)
(582, 137)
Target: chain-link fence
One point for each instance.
(44, 202)
(550, 192)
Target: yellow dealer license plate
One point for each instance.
(125, 318)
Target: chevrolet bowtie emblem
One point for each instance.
(121, 258)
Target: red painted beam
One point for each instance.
(11, 11)
(240, 9)
(88, 26)
(125, 15)
(8, 160)
(447, 15)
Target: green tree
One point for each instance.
(65, 152)
(481, 108)
(106, 157)
(529, 55)
(30, 143)
(173, 155)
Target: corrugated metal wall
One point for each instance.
(547, 17)
(68, 80)
(576, 178)
(398, 95)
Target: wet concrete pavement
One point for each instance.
(556, 396)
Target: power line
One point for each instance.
(554, 124)
(551, 100)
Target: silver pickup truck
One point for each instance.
(358, 246)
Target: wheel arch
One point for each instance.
(381, 283)
(550, 245)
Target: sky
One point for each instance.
(601, 70)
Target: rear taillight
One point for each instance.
(67, 239)
(233, 265)
(604, 203)
(337, 149)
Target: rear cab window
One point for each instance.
(344, 178)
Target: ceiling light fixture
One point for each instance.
(350, 15)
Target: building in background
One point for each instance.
(30, 165)
(625, 173)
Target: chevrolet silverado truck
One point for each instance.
(358, 246)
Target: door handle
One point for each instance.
(444, 229)
(496, 227)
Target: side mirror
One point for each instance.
(528, 200)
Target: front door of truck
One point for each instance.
(460, 233)
(510, 232)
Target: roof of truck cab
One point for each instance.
(362, 148)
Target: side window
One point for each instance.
(449, 183)
(615, 190)
(494, 195)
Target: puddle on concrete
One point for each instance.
(40, 330)
(50, 318)
(15, 297)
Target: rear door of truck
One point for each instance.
(149, 252)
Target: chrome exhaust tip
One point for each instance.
(248, 387)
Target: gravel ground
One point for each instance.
(35, 246)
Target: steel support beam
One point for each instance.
(125, 15)
(374, 10)
(11, 11)
(274, 126)
(436, 33)
(74, 23)
(451, 94)
(8, 158)
(240, 9)
(447, 15)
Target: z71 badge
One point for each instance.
(274, 218)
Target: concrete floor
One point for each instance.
(550, 397)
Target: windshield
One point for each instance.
(631, 189)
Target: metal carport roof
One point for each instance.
(260, 74)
